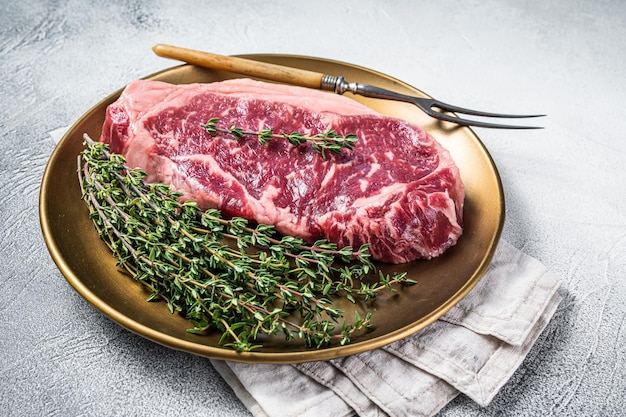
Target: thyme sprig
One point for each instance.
(228, 275)
(321, 142)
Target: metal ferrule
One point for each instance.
(338, 85)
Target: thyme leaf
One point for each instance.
(328, 141)
(224, 275)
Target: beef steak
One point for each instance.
(397, 190)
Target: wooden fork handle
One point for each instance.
(243, 66)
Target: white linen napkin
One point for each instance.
(473, 349)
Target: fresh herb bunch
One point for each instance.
(321, 142)
(224, 274)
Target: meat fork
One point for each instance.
(338, 84)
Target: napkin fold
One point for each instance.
(473, 349)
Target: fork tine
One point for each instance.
(456, 109)
(477, 123)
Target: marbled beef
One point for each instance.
(397, 190)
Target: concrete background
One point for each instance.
(565, 186)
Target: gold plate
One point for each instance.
(90, 268)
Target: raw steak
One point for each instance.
(397, 190)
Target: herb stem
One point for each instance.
(320, 142)
(223, 274)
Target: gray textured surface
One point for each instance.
(565, 186)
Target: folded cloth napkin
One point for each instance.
(473, 349)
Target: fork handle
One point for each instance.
(274, 72)
(294, 76)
